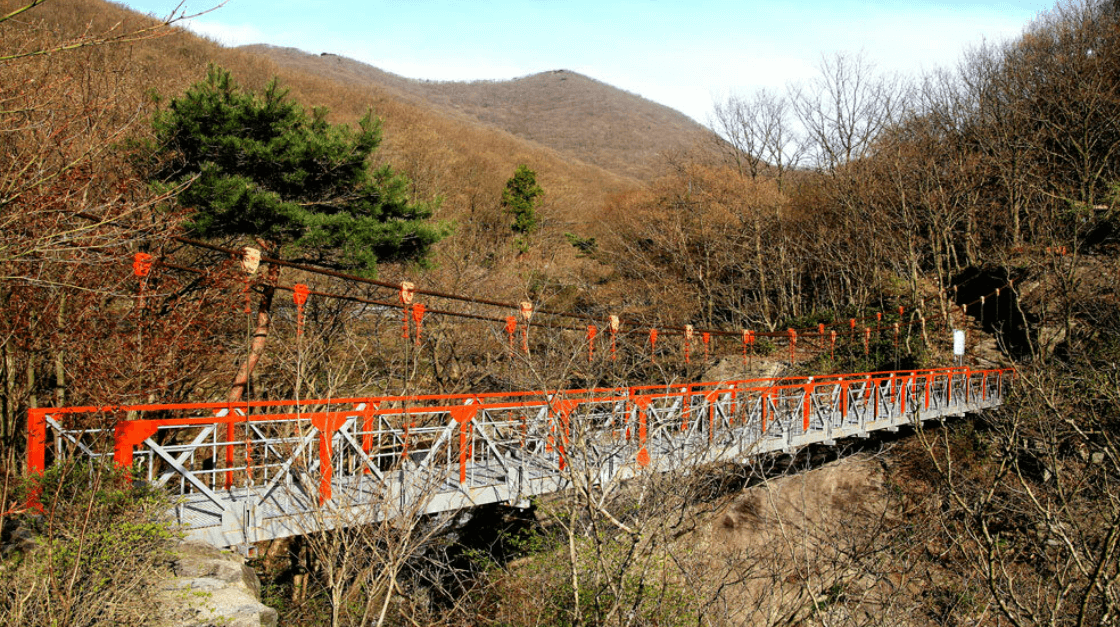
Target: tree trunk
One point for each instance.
(260, 337)
(7, 429)
(29, 370)
(59, 365)
(7, 373)
(764, 297)
(32, 400)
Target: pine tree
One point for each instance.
(258, 166)
(519, 199)
(303, 188)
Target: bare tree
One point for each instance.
(1030, 503)
(759, 134)
(843, 110)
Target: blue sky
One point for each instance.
(682, 53)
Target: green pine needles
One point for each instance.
(259, 166)
(519, 199)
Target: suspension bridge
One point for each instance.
(253, 471)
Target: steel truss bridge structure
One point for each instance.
(253, 471)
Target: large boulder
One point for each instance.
(211, 588)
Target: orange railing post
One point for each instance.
(36, 455)
(127, 434)
(36, 441)
(949, 388)
(765, 402)
(326, 467)
(229, 449)
(686, 406)
(327, 423)
(734, 403)
(367, 430)
(643, 454)
(462, 415)
(967, 385)
(904, 386)
(808, 401)
(711, 398)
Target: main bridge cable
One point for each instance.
(786, 336)
(356, 299)
(667, 330)
(475, 300)
(789, 335)
(394, 286)
(437, 294)
(774, 335)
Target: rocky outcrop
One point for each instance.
(733, 369)
(15, 539)
(210, 587)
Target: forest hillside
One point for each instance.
(563, 110)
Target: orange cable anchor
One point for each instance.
(408, 292)
(299, 295)
(250, 261)
(688, 332)
(511, 330)
(418, 310)
(591, 332)
(614, 326)
(527, 315)
(141, 266)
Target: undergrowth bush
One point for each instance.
(615, 586)
(97, 545)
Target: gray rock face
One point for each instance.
(211, 589)
(15, 538)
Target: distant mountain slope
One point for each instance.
(448, 155)
(562, 110)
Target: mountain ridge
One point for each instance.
(569, 112)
